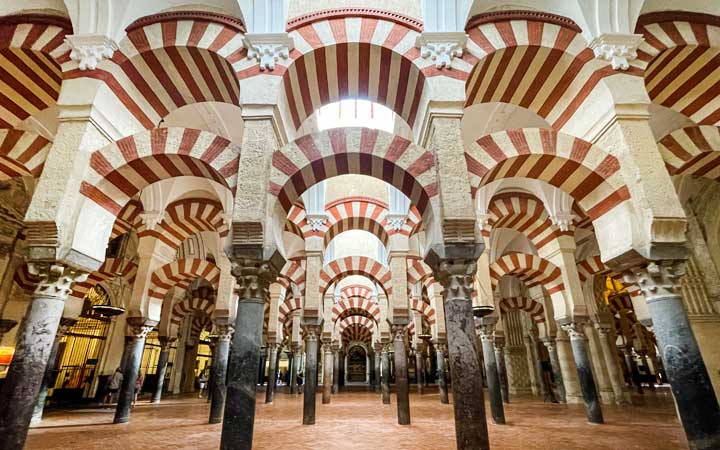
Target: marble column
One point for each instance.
(297, 357)
(385, 378)
(571, 383)
(578, 342)
(343, 361)
(49, 377)
(378, 362)
(219, 371)
(696, 402)
(402, 384)
(189, 365)
(261, 366)
(165, 344)
(311, 363)
(614, 372)
(253, 280)
(336, 369)
(600, 372)
(441, 375)
(139, 328)
(502, 372)
(420, 369)
(327, 373)
(455, 272)
(555, 367)
(493, 380)
(272, 349)
(535, 382)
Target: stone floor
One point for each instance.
(358, 420)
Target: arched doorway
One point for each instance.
(357, 365)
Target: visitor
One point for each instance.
(300, 379)
(202, 381)
(114, 385)
(138, 387)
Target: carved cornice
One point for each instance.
(341, 13)
(39, 19)
(677, 16)
(534, 16)
(198, 16)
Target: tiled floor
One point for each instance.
(358, 420)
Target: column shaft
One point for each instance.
(132, 370)
(336, 372)
(585, 375)
(420, 371)
(161, 370)
(239, 417)
(385, 382)
(441, 380)
(502, 372)
(556, 371)
(272, 373)
(295, 369)
(49, 377)
(310, 387)
(327, 374)
(493, 380)
(219, 376)
(402, 384)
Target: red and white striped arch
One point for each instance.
(22, 153)
(110, 268)
(200, 303)
(170, 60)
(417, 304)
(361, 321)
(681, 59)
(293, 274)
(352, 213)
(286, 308)
(356, 290)
(593, 265)
(692, 151)
(535, 309)
(418, 271)
(355, 53)
(534, 62)
(313, 158)
(200, 323)
(355, 265)
(587, 173)
(32, 48)
(525, 214)
(181, 273)
(127, 219)
(531, 269)
(357, 333)
(122, 169)
(185, 218)
(355, 303)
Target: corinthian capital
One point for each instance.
(55, 279)
(658, 279)
(454, 267)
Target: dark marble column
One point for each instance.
(139, 328)
(385, 377)
(555, 366)
(502, 371)
(49, 377)
(272, 376)
(578, 342)
(124, 357)
(455, 267)
(32, 351)
(253, 280)
(327, 373)
(493, 379)
(336, 369)
(341, 381)
(165, 344)
(402, 384)
(311, 363)
(441, 375)
(420, 369)
(261, 366)
(378, 364)
(696, 402)
(219, 372)
(297, 356)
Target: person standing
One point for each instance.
(114, 385)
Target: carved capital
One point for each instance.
(441, 47)
(253, 278)
(151, 219)
(396, 221)
(659, 279)
(268, 48)
(90, 49)
(456, 276)
(312, 332)
(139, 327)
(574, 330)
(617, 48)
(166, 342)
(55, 279)
(224, 332)
(316, 221)
(550, 344)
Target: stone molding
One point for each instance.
(268, 48)
(90, 49)
(38, 19)
(617, 48)
(441, 47)
(677, 16)
(341, 13)
(517, 14)
(197, 16)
